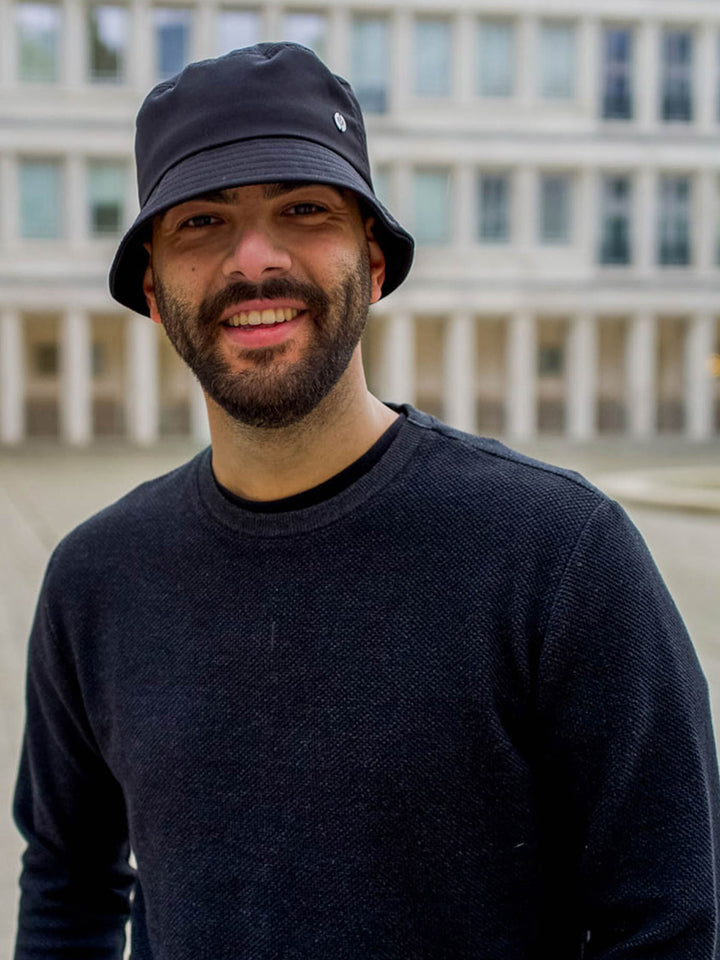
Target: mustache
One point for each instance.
(211, 308)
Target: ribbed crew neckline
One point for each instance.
(211, 501)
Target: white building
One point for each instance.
(558, 162)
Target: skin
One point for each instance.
(297, 238)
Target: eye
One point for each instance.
(198, 221)
(304, 209)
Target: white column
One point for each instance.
(8, 65)
(526, 60)
(74, 60)
(699, 346)
(524, 209)
(199, 427)
(76, 208)
(640, 377)
(645, 220)
(459, 372)
(76, 378)
(397, 367)
(402, 61)
(12, 377)
(142, 49)
(588, 216)
(705, 78)
(581, 382)
(646, 75)
(464, 35)
(338, 47)
(204, 25)
(143, 385)
(589, 76)
(273, 21)
(521, 416)
(9, 190)
(705, 220)
(464, 199)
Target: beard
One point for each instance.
(271, 394)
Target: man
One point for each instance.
(351, 684)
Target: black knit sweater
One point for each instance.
(449, 713)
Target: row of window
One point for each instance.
(433, 225)
(42, 214)
(42, 198)
(39, 33)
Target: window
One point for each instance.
(106, 188)
(98, 359)
(433, 57)
(677, 81)
(41, 192)
(45, 359)
(674, 233)
(496, 58)
(309, 29)
(555, 208)
(370, 60)
(550, 361)
(494, 207)
(616, 242)
(38, 32)
(557, 61)
(432, 206)
(172, 40)
(235, 29)
(107, 31)
(617, 103)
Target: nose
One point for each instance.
(256, 255)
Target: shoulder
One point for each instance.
(133, 527)
(491, 480)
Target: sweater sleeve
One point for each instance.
(631, 763)
(76, 880)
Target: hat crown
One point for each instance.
(258, 92)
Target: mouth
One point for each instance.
(256, 318)
(263, 328)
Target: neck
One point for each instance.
(269, 464)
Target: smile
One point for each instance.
(254, 318)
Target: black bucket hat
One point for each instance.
(268, 113)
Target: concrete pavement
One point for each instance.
(45, 491)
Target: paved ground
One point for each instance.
(44, 492)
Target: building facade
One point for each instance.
(557, 161)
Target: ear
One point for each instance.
(149, 287)
(377, 262)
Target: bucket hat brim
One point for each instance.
(242, 163)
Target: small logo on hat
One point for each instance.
(340, 122)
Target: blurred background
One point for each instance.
(558, 163)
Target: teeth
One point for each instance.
(255, 317)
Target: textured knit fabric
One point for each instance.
(450, 713)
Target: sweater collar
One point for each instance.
(210, 501)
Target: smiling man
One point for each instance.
(351, 684)
(264, 292)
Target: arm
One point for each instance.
(76, 880)
(630, 764)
